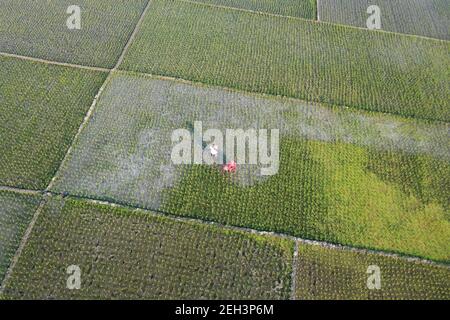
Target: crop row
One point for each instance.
(116, 253)
(429, 18)
(328, 273)
(292, 57)
(334, 192)
(16, 211)
(351, 177)
(39, 29)
(295, 8)
(124, 254)
(42, 107)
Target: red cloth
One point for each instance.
(230, 167)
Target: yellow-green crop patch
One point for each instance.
(331, 273)
(293, 57)
(41, 109)
(40, 29)
(123, 254)
(16, 212)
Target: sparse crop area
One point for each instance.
(124, 254)
(331, 273)
(213, 149)
(430, 18)
(42, 107)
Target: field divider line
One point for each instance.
(262, 13)
(294, 272)
(22, 244)
(216, 6)
(308, 20)
(157, 212)
(274, 96)
(317, 8)
(228, 89)
(172, 216)
(63, 64)
(90, 111)
(21, 190)
(265, 13)
(133, 35)
(80, 129)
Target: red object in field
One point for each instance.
(230, 167)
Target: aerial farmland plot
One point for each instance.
(39, 29)
(15, 215)
(224, 150)
(42, 109)
(365, 186)
(336, 273)
(429, 18)
(293, 57)
(293, 8)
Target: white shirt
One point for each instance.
(214, 150)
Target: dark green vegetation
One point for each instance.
(292, 57)
(42, 107)
(295, 8)
(16, 211)
(135, 255)
(429, 18)
(325, 273)
(38, 29)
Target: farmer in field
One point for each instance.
(214, 150)
(229, 167)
